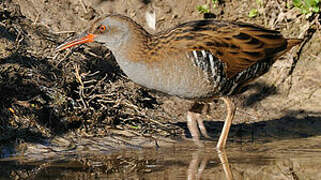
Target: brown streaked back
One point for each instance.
(238, 45)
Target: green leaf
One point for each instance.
(307, 6)
(214, 3)
(316, 9)
(297, 3)
(259, 2)
(253, 13)
(288, 5)
(314, 5)
(203, 9)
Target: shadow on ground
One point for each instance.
(290, 126)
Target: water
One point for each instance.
(280, 159)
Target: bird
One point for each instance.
(200, 60)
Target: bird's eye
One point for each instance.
(102, 28)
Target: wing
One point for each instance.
(206, 61)
(214, 68)
(241, 45)
(237, 45)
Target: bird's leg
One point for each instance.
(192, 171)
(201, 123)
(226, 167)
(192, 120)
(197, 165)
(228, 121)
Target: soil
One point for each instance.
(83, 93)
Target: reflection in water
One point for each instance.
(226, 166)
(198, 164)
(196, 168)
(286, 159)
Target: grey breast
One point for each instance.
(177, 76)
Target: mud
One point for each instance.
(79, 100)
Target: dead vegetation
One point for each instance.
(45, 93)
(83, 94)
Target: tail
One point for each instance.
(293, 42)
(290, 44)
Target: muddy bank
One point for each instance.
(83, 94)
(57, 107)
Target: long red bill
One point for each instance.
(82, 39)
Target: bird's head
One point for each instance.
(111, 30)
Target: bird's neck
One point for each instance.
(131, 54)
(134, 47)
